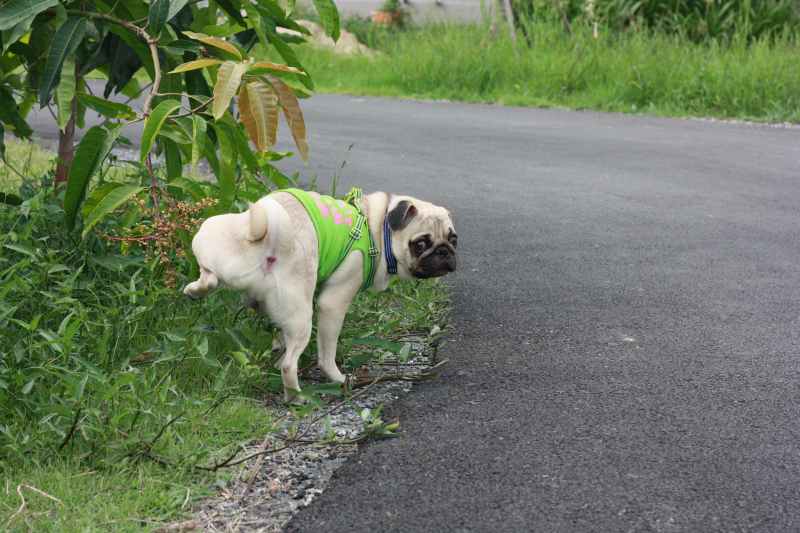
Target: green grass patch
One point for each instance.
(27, 159)
(132, 495)
(634, 71)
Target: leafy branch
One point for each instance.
(152, 44)
(164, 39)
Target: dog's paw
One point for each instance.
(277, 345)
(293, 397)
(191, 290)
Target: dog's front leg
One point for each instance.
(332, 305)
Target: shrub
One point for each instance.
(96, 352)
(697, 20)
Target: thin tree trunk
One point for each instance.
(66, 141)
(510, 19)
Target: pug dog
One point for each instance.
(271, 253)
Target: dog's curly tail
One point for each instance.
(268, 221)
(259, 221)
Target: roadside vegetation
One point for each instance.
(710, 59)
(121, 401)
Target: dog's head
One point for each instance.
(424, 239)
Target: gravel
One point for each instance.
(268, 490)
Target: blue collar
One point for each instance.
(391, 260)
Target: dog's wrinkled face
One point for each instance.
(423, 238)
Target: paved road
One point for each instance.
(626, 346)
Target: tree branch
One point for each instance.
(152, 44)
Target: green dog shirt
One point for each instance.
(341, 228)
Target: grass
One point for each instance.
(636, 71)
(131, 496)
(107, 374)
(27, 158)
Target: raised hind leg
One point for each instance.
(206, 283)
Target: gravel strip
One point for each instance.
(290, 479)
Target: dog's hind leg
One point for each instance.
(206, 283)
(332, 305)
(296, 333)
(291, 308)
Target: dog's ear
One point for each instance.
(401, 215)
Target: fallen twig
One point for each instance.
(422, 376)
(290, 441)
(295, 440)
(23, 503)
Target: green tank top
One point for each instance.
(341, 228)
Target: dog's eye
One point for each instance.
(454, 241)
(420, 246)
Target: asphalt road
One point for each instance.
(625, 353)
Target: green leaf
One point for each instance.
(175, 133)
(11, 36)
(91, 152)
(277, 177)
(191, 187)
(93, 198)
(196, 64)
(392, 346)
(65, 41)
(261, 67)
(229, 76)
(216, 42)
(227, 167)
(30, 252)
(287, 54)
(242, 146)
(204, 143)
(134, 43)
(26, 389)
(111, 201)
(10, 114)
(329, 16)
(157, 17)
(199, 140)
(233, 9)
(8, 198)
(174, 7)
(107, 108)
(2, 141)
(65, 92)
(16, 11)
(270, 9)
(153, 124)
(172, 154)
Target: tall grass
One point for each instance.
(630, 71)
